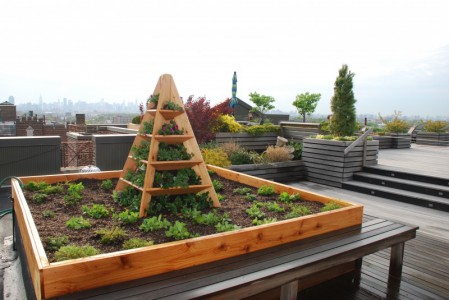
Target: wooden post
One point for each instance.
(289, 291)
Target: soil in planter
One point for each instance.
(233, 205)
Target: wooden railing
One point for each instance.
(361, 139)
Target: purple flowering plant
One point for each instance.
(170, 129)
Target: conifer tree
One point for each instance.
(343, 120)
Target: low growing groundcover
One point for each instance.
(85, 217)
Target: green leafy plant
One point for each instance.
(53, 243)
(74, 191)
(257, 222)
(298, 211)
(134, 243)
(53, 189)
(128, 217)
(177, 203)
(141, 152)
(96, 211)
(178, 231)
(107, 185)
(48, 213)
(226, 226)
(39, 198)
(173, 152)
(154, 223)
(242, 191)
(266, 190)
(170, 105)
(137, 177)
(240, 157)
(147, 127)
(255, 212)
(153, 99)
(343, 119)
(286, 197)
(273, 206)
(35, 185)
(218, 186)
(72, 252)
(129, 198)
(331, 206)
(250, 197)
(137, 119)
(77, 223)
(170, 128)
(112, 235)
(177, 178)
(297, 149)
(210, 218)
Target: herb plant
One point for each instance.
(173, 152)
(72, 252)
(154, 223)
(136, 243)
(266, 190)
(170, 105)
(77, 223)
(178, 231)
(96, 211)
(111, 235)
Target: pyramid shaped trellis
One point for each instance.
(159, 117)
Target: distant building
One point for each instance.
(31, 123)
(7, 112)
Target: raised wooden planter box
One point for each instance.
(250, 142)
(133, 126)
(394, 141)
(61, 278)
(285, 171)
(432, 138)
(326, 163)
(298, 131)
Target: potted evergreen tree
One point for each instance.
(324, 156)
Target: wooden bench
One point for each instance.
(282, 270)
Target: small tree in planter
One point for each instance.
(306, 104)
(396, 129)
(263, 104)
(325, 160)
(343, 120)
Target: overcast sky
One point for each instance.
(116, 50)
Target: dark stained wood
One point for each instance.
(264, 270)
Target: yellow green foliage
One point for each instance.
(227, 123)
(261, 129)
(216, 157)
(396, 125)
(435, 126)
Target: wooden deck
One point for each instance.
(426, 261)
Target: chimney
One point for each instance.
(80, 119)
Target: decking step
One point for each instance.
(406, 184)
(407, 175)
(398, 195)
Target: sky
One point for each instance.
(91, 50)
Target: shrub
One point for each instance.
(297, 149)
(216, 157)
(230, 147)
(136, 243)
(277, 154)
(107, 185)
(137, 119)
(53, 243)
(77, 223)
(96, 211)
(435, 126)
(343, 119)
(266, 190)
(241, 157)
(35, 185)
(261, 129)
(227, 123)
(202, 119)
(72, 252)
(111, 235)
(396, 125)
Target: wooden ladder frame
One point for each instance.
(166, 89)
